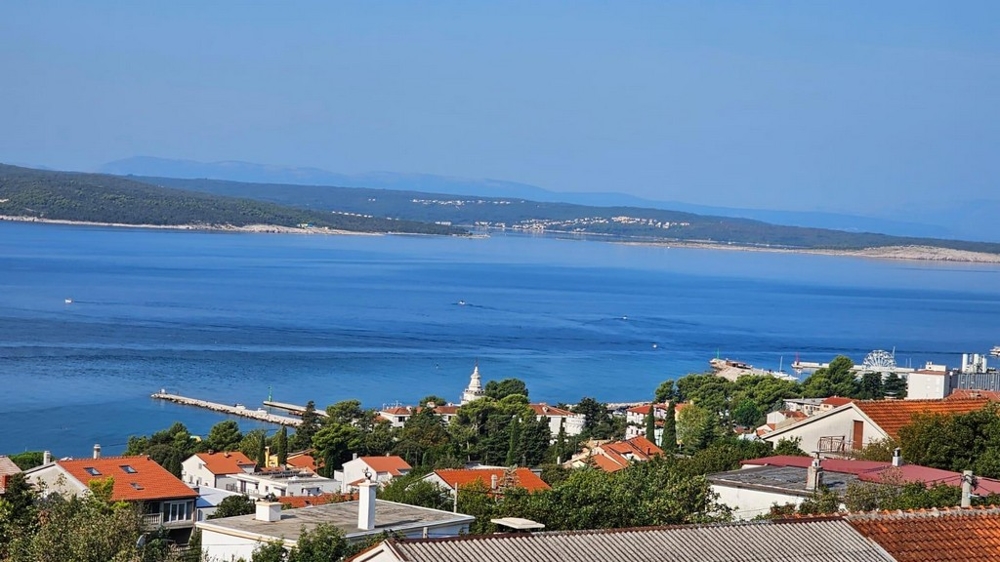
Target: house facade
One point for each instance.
(215, 470)
(379, 469)
(165, 500)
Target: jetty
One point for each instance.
(259, 414)
(294, 409)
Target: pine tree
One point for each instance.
(514, 448)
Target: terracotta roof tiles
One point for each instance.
(394, 465)
(951, 535)
(524, 477)
(136, 478)
(892, 415)
(225, 463)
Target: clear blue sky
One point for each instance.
(796, 104)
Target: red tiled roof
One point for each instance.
(393, 465)
(837, 401)
(951, 535)
(963, 394)
(147, 481)
(398, 411)
(225, 463)
(463, 477)
(892, 415)
(7, 469)
(637, 446)
(543, 409)
(304, 461)
(448, 410)
(607, 464)
(294, 502)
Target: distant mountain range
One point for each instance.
(962, 220)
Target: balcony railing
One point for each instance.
(835, 445)
(156, 520)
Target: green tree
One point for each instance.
(668, 441)
(697, 428)
(412, 489)
(837, 379)
(423, 434)
(310, 425)
(432, 399)
(224, 436)
(281, 446)
(273, 551)
(665, 392)
(344, 412)
(232, 506)
(335, 443)
(894, 386)
(791, 447)
(747, 414)
(871, 387)
(651, 423)
(324, 543)
(28, 459)
(597, 421)
(506, 387)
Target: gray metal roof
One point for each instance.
(830, 540)
(789, 480)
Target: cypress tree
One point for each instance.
(651, 423)
(668, 442)
(281, 445)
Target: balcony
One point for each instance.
(835, 445)
(151, 521)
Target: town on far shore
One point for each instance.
(852, 462)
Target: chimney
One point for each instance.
(493, 482)
(897, 457)
(366, 504)
(97, 450)
(46, 457)
(967, 480)
(814, 475)
(4, 479)
(268, 511)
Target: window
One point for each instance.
(136, 485)
(177, 511)
(92, 471)
(128, 469)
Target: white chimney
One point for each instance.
(97, 450)
(46, 457)
(366, 505)
(268, 511)
(967, 488)
(493, 482)
(814, 475)
(897, 457)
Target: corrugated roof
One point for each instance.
(831, 540)
(892, 415)
(225, 463)
(136, 478)
(463, 477)
(950, 535)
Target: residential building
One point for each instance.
(209, 499)
(928, 383)
(934, 535)
(752, 490)
(378, 469)
(615, 455)
(302, 460)
(808, 406)
(215, 470)
(635, 420)
(165, 500)
(233, 538)
(493, 478)
(830, 540)
(850, 427)
(7, 469)
(558, 418)
(283, 483)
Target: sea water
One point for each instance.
(93, 320)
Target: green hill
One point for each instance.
(102, 198)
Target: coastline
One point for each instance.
(250, 228)
(901, 253)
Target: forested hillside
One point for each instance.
(521, 214)
(112, 199)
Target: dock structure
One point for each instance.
(235, 410)
(294, 409)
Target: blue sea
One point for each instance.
(238, 317)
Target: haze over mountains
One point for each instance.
(963, 220)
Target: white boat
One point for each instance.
(995, 352)
(68, 301)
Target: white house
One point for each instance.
(928, 383)
(377, 469)
(233, 538)
(284, 483)
(215, 470)
(846, 428)
(558, 417)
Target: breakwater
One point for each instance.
(235, 410)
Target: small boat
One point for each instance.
(461, 303)
(68, 301)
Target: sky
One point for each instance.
(816, 105)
